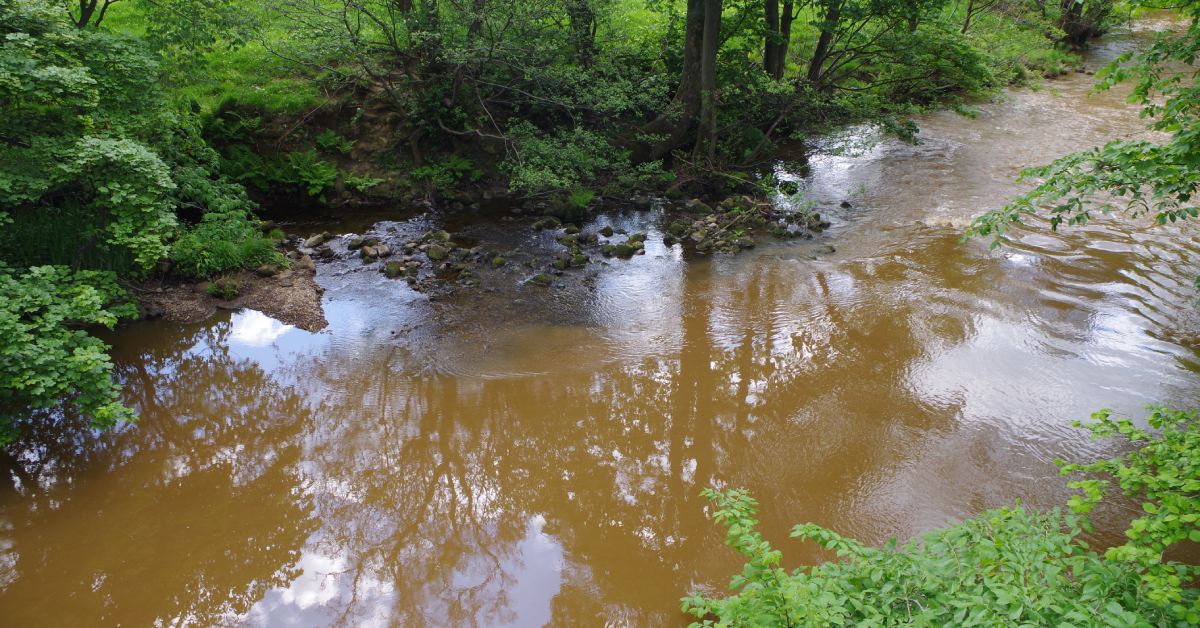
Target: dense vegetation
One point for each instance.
(100, 172)
(1010, 566)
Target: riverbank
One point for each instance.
(290, 295)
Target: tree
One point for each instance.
(94, 163)
(694, 106)
(778, 36)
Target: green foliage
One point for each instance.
(314, 173)
(45, 359)
(579, 198)
(1003, 567)
(73, 131)
(224, 288)
(560, 160)
(1163, 473)
(329, 141)
(363, 183)
(94, 163)
(223, 241)
(448, 173)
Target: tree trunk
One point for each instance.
(674, 123)
(706, 138)
(87, 11)
(833, 12)
(583, 31)
(785, 38)
(771, 38)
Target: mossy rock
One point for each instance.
(498, 262)
(393, 269)
(541, 279)
(437, 252)
(224, 289)
(548, 222)
(623, 251)
(571, 230)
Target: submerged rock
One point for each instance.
(437, 252)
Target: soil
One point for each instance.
(292, 296)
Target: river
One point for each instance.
(520, 455)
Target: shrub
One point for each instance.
(45, 359)
(561, 160)
(1003, 567)
(312, 172)
(224, 288)
(222, 241)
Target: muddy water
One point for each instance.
(522, 455)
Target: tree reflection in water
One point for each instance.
(189, 516)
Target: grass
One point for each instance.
(248, 73)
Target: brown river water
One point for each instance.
(519, 455)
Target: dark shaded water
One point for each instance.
(527, 455)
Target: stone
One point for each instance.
(498, 262)
(356, 243)
(306, 263)
(368, 253)
(317, 240)
(606, 231)
(549, 222)
(437, 252)
(846, 205)
(642, 202)
(745, 243)
(267, 270)
(571, 230)
(393, 269)
(698, 206)
(825, 249)
(541, 279)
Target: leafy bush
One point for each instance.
(314, 173)
(1163, 472)
(447, 173)
(363, 183)
(1003, 567)
(329, 141)
(45, 359)
(560, 160)
(579, 198)
(222, 241)
(225, 289)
